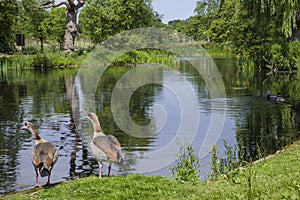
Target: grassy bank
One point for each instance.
(274, 178)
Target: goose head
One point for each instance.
(91, 116)
(28, 126)
(95, 121)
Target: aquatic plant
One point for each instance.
(187, 165)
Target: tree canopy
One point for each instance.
(259, 28)
(8, 10)
(100, 19)
(248, 27)
(287, 9)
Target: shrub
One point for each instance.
(285, 56)
(215, 164)
(187, 165)
(294, 53)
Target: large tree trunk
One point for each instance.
(71, 27)
(71, 20)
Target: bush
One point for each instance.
(285, 56)
(278, 58)
(40, 61)
(294, 53)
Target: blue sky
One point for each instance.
(174, 9)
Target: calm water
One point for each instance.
(173, 106)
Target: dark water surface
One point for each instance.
(249, 119)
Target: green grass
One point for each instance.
(274, 178)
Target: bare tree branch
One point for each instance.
(52, 4)
(80, 4)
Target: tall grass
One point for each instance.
(146, 56)
(39, 61)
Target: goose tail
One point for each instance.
(43, 171)
(120, 156)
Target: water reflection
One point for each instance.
(45, 98)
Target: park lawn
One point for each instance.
(277, 177)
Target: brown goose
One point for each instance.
(44, 154)
(106, 148)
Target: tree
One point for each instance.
(288, 9)
(54, 25)
(8, 14)
(100, 19)
(207, 12)
(30, 19)
(221, 28)
(207, 7)
(71, 20)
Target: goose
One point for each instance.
(44, 154)
(281, 99)
(272, 97)
(278, 98)
(105, 148)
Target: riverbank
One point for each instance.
(274, 178)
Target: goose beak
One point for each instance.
(85, 118)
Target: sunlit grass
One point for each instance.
(274, 178)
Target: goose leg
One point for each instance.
(48, 182)
(109, 167)
(36, 178)
(100, 170)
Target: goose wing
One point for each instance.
(44, 155)
(110, 146)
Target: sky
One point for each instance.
(174, 9)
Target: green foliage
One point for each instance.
(8, 10)
(293, 54)
(30, 50)
(40, 61)
(146, 56)
(285, 56)
(234, 27)
(226, 168)
(197, 27)
(231, 157)
(245, 62)
(222, 27)
(207, 7)
(99, 20)
(215, 164)
(277, 57)
(187, 166)
(286, 9)
(30, 20)
(54, 25)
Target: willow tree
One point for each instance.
(72, 8)
(288, 9)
